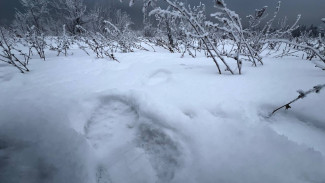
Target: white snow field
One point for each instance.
(159, 118)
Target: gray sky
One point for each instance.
(311, 10)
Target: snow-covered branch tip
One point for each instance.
(318, 65)
(302, 95)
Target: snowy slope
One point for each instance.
(156, 117)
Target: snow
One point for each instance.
(156, 117)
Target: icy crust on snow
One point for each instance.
(158, 118)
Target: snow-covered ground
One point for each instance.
(156, 117)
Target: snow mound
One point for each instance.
(230, 151)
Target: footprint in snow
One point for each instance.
(113, 119)
(159, 76)
(164, 153)
(132, 147)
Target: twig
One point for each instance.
(302, 94)
(319, 66)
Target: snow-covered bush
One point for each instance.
(32, 23)
(10, 52)
(198, 28)
(35, 39)
(247, 43)
(166, 29)
(118, 29)
(62, 44)
(71, 13)
(98, 15)
(35, 13)
(97, 43)
(113, 35)
(262, 33)
(229, 23)
(273, 37)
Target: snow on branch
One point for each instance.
(193, 16)
(302, 95)
(256, 19)
(306, 47)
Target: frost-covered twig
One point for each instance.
(310, 48)
(302, 94)
(259, 37)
